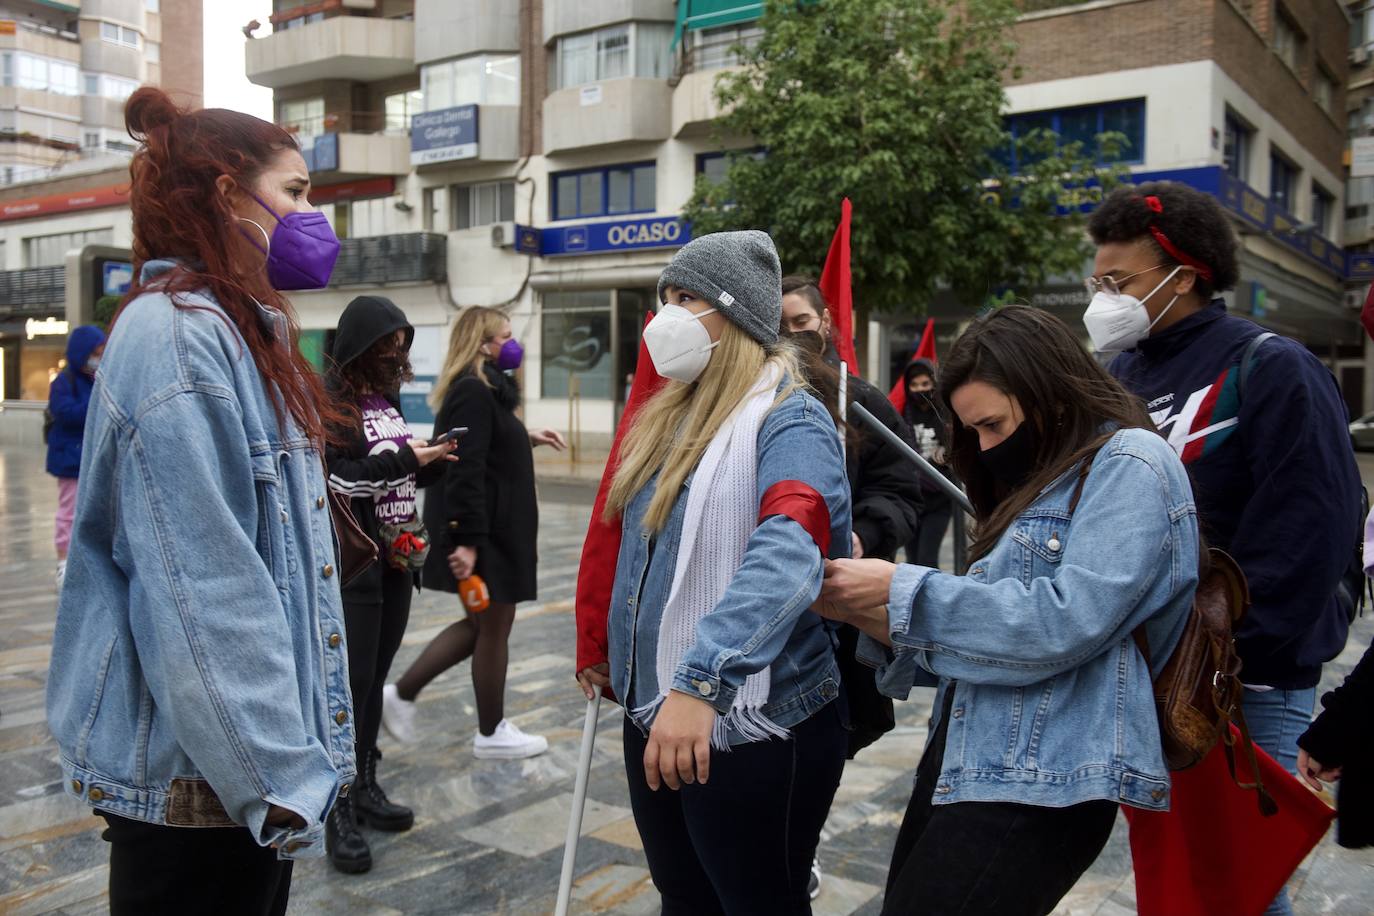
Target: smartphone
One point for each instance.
(457, 432)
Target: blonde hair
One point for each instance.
(474, 327)
(671, 432)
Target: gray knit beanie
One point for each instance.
(739, 273)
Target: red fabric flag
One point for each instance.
(1213, 852)
(837, 288)
(596, 571)
(924, 350)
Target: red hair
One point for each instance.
(179, 212)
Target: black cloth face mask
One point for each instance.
(1012, 460)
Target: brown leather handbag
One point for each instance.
(357, 551)
(1198, 692)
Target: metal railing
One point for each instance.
(33, 287)
(349, 122)
(709, 53)
(414, 257)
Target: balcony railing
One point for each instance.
(23, 291)
(350, 122)
(705, 51)
(415, 257)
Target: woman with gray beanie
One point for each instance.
(731, 492)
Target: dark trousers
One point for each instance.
(742, 843)
(375, 630)
(924, 548)
(218, 871)
(988, 857)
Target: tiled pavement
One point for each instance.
(488, 834)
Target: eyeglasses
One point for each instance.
(1112, 285)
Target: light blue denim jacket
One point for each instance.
(1052, 700)
(762, 621)
(199, 633)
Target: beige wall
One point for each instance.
(183, 50)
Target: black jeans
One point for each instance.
(374, 634)
(924, 548)
(742, 843)
(218, 871)
(988, 857)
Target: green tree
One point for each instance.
(898, 105)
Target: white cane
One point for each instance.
(584, 772)
(844, 403)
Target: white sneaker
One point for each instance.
(507, 743)
(398, 715)
(61, 573)
(813, 884)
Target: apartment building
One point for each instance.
(66, 69)
(536, 155)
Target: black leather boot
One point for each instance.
(373, 807)
(347, 847)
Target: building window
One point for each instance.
(1236, 149)
(90, 140)
(575, 340)
(399, 108)
(1323, 206)
(1323, 90)
(1283, 180)
(1288, 39)
(119, 35)
(641, 49)
(117, 87)
(51, 250)
(1082, 125)
(153, 6)
(31, 71)
(482, 204)
(304, 116)
(612, 191)
(481, 79)
(713, 166)
(709, 49)
(90, 83)
(152, 52)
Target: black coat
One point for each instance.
(487, 498)
(885, 486)
(1343, 736)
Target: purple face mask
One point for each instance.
(511, 356)
(301, 252)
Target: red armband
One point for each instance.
(803, 505)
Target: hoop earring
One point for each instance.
(267, 239)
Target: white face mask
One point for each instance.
(92, 364)
(678, 343)
(1119, 322)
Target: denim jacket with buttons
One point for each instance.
(1052, 700)
(762, 620)
(198, 671)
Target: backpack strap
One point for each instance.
(1247, 361)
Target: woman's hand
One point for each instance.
(679, 739)
(1314, 772)
(591, 678)
(856, 546)
(857, 583)
(462, 562)
(425, 453)
(552, 437)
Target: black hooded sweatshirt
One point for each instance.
(352, 471)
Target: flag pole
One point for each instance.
(579, 803)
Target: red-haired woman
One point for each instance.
(198, 689)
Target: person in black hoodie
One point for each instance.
(1262, 430)
(930, 429)
(484, 519)
(379, 471)
(1339, 746)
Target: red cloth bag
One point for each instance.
(1212, 853)
(601, 549)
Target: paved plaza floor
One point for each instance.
(488, 834)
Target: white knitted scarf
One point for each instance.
(721, 514)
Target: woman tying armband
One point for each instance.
(1045, 720)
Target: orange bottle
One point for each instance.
(472, 591)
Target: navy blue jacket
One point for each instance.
(68, 396)
(1274, 478)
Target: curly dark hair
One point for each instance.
(382, 369)
(1192, 220)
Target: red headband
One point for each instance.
(1169, 247)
